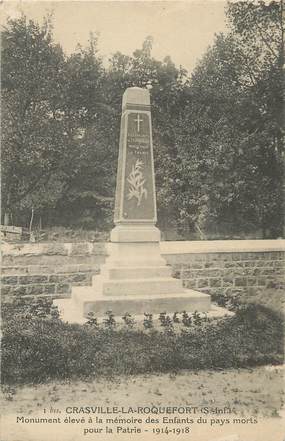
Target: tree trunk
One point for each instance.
(6, 218)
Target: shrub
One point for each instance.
(38, 349)
(148, 321)
(128, 320)
(271, 298)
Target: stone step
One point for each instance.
(68, 312)
(186, 300)
(146, 272)
(126, 287)
(72, 315)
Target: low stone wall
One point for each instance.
(50, 269)
(229, 266)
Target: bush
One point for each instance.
(41, 348)
(271, 298)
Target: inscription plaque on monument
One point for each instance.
(135, 192)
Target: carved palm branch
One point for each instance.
(136, 181)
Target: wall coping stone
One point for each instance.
(166, 247)
(222, 246)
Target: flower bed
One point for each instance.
(38, 347)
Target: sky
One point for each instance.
(181, 29)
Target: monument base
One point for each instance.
(135, 279)
(138, 232)
(83, 302)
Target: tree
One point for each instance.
(33, 140)
(259, 32)
(91, 129)
(231, 148)
(49, 102)
(218, 135)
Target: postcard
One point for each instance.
(142, 230)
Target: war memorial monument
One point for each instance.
(135, 279)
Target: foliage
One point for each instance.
(186, 319)
(90, 186)
(110, 321)
(33, 141)
(148, 321)
(49, 102)
(91, 320)
(128, 320)
(26, 308)
(36, 349)
(270, 298)
(229, 167)
(218, 134)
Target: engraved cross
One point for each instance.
(138, 120)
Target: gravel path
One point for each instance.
(250, 394)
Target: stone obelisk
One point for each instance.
(134, 278)
(135, 237)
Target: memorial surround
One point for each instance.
(51, 269)
(135, 278)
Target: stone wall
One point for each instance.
(229, 266)
(50, 269)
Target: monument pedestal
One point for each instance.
(135, 278)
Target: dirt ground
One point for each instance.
(251, 394)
